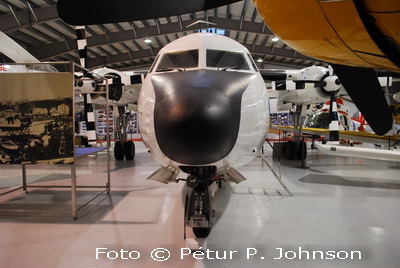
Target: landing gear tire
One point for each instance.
(118, 151)
(201, 232)
(198, 212)
(301, 151)
(290, 150)
(313, 146)
(129, 150)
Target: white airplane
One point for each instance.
(297, 89)
(123, 94)
(203, 111)
(124, 88)
(307, 86)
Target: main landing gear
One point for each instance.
(127, 150)
(297, 147)
(296, 150)
(123, 148)
(199, 214)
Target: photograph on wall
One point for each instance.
(103, 120)
(36, 124)
(284, 119)
(273, 119)
(133, 124)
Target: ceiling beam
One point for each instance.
(8, 23)
(146, 53)
(58, 48)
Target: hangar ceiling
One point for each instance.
(35, 25)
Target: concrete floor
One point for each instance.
(344, 213)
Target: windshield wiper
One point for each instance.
(233, 68)
(169, 69)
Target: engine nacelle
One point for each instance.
(307, 86)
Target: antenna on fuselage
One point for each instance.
(200, 22)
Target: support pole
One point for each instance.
(73, 191)
(108, 184)
(24, 184)
(278, 177)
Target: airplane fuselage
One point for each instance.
(203, 103)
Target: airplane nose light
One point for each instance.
(197, 114)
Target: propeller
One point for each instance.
(115, 88)
(364, 89)
(78, 12)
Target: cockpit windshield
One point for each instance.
(178, 60)
(226, 60)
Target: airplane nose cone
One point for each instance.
(197, 114)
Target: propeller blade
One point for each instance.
(82, 44)
(364, 89)
(331, 72)
(334, 125)
(78, 12)
(301, 84)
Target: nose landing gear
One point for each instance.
(199, 214)
(198, 211)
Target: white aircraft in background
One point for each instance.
(298, 89)
(124, 88)
(306, 86)
(123, 94)
(203, 110)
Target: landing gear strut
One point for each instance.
(123, 148)
(198, 209)
(297, 147)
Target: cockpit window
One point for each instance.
(252, 62)
(226, 59)
(178, 60)
(154, 64)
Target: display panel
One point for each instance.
(36, 118)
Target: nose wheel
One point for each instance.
(198, 211)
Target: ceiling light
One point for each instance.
(275, 39)
(148, 41)
(259, 59)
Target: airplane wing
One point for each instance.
(345, 134)
(369, 153)
(14, 51)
